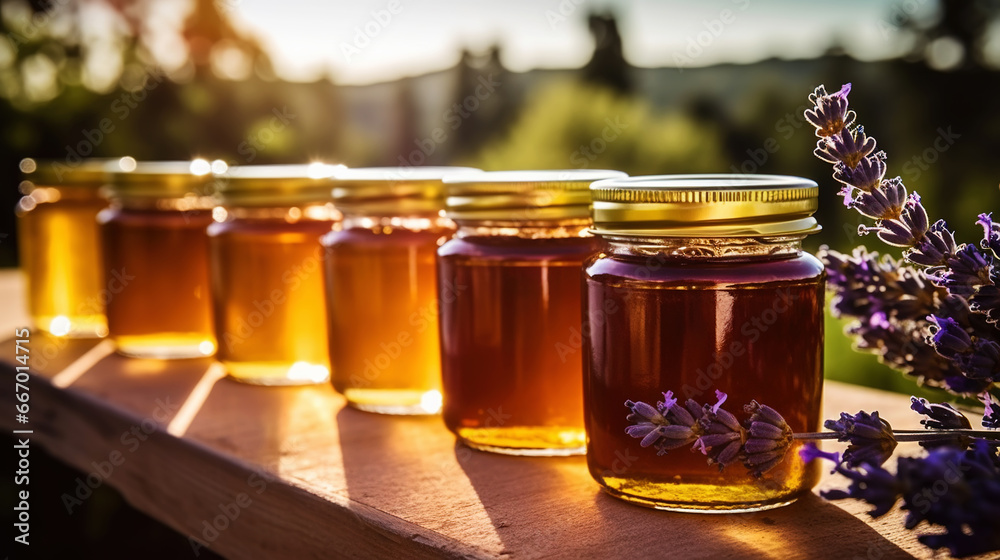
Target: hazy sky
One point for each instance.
(362, 41)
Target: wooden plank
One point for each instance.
(310, 478)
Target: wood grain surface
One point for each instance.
(309, 478)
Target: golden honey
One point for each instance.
(701, 285)
(267, 273)
(153, 234)
(510, 310)
(59, 247)
(381, 288)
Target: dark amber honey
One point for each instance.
(381, 293)
(267, 279)
(511, 346)
(751, 327)
(165, 309)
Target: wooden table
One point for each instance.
(293, 473)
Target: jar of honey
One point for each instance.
(154, 239)
(59, 246)
(701, 285)
(381, 287)
(509, 289)
(267, 272)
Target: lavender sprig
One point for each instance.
(946, 295)
(963, 459)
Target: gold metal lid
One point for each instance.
(550, 194)
(276, 185)
(720, 205)
(90, 173)
(129, 179)
(392, 190)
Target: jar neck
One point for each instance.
(414, 222)
(317, 212)
(181, 204)
(542, 229)
(704, 248)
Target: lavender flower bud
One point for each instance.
(883, 203)
(935, 247)
(768, 439)
(991, 233)
(941, 416)
(830, 114)
(991, 418)
(871, 437)
(723, 435)
(849, 147)
(867, 176)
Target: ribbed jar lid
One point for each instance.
(721, 205)
(546, 194)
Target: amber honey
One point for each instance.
(692, 315)
(511, 343)
(153, 234)
(383, 312)
(59, 247)
(381, 288)
(267, 275)
(510, 310)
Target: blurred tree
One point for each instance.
(607, 66)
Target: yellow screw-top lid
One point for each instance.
(276, 185)
(720, 205)
(129, 179)
(90, 173)
(524, 195)
(392, 190)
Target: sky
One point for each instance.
(378, 40)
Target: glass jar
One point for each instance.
(381, 287)
(59, 246)
(702, 285)
(509, 289)
(153, 236)
(267, 273)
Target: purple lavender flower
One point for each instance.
(723, 436)
(666, 426)
(967, 269)
(978, 358)
(768, 439)
(991, 418)
(867, 176)
(935, 247)
(830, 114)
(871, 437)
(991, 233)
(956, 489)
(885, 203)
(875, 485)
(940, 416)
(849, 147)
(905, 231)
